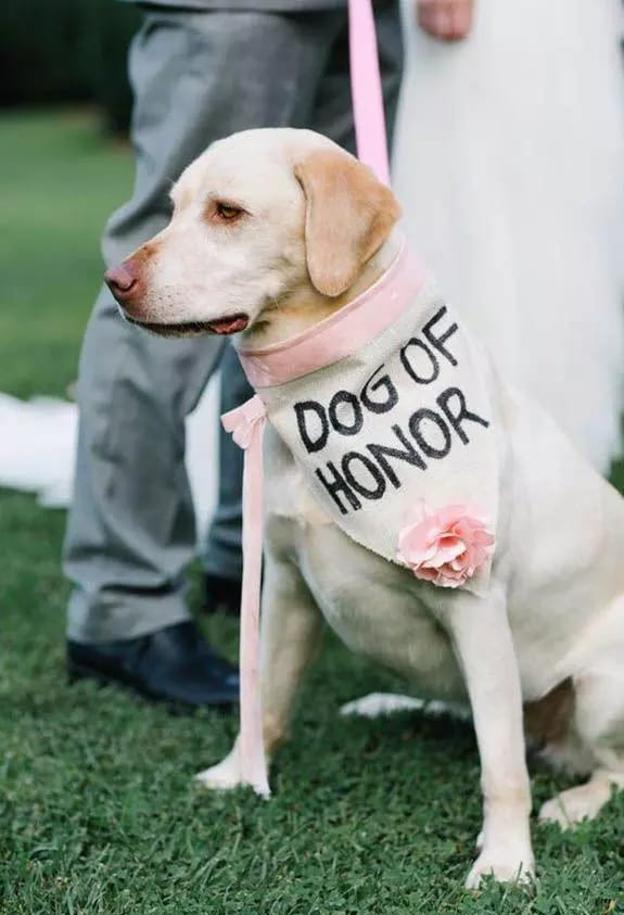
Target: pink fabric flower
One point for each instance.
(446, 547)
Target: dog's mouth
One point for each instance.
(232, 324)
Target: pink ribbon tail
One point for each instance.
(247, 424)
(366, 91)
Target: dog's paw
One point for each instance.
(504, 867)
(225, 776)
(574, 805)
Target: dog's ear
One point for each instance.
(349, 215)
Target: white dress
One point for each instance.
(510, 168)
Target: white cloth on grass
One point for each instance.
(38, 439)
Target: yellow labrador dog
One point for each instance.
(272, 232)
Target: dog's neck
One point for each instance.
(304, 306)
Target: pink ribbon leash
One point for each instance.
(247, 422)
(366, 90)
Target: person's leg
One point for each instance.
(197, 76)
(332, 115)
(221, 553)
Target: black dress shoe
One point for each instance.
(222, 595)
(174, 665)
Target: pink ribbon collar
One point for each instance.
(343, 333)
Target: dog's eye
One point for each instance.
(227, 212)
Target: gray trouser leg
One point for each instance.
(221, 553)
(130, 536)
(332, 116)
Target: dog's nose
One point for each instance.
(122, 281)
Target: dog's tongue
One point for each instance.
(230, 325)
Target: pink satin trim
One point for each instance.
(246, 424)
(340, 335)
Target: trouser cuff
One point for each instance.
(112, 617)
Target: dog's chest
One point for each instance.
(374, 606)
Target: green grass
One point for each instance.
(59, 182)
(98, 813)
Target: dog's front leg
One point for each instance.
(483, 643)
(291, 627)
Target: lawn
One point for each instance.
(98, 810)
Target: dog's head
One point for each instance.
(259, 218)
